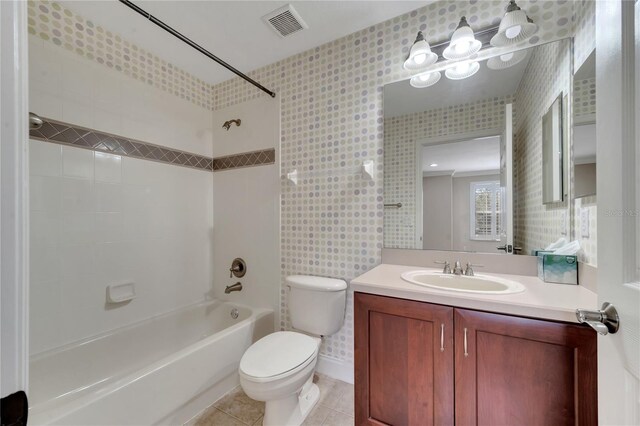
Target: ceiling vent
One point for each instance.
(285, 21)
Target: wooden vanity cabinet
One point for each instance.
(403, 362)
(507, 371)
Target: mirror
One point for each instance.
(552, 153)
(584, 128)
(463, 159)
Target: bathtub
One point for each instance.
(164, 370)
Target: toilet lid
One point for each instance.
(277, 353)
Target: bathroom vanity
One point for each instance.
(427, 356)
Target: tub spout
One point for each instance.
(236, 287)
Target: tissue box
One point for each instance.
(558, 268)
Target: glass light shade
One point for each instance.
(515, 27)
(462, 70)
(420, 55)
(463, 42)
(506, 60)
(421, 81)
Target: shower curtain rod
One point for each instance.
(196, 46)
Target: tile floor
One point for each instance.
(335, 407)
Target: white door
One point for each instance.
(618, 215)
(506, 182)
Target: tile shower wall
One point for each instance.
(247, 205)
(98, 218)
(332, 120)
(401, 134)
(548, 74)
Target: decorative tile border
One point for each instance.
(246, 159)
(69, 134)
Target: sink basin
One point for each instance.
(480, 284)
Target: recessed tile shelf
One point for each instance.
(69, 134)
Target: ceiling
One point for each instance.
(401, 98)
(234, 30)
(476, 156)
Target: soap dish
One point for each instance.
(121, 292)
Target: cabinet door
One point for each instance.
(403, 362)
(519, 371)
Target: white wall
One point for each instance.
(247, 208)
(437, 212)
(98, 218)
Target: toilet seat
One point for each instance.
(278, 354)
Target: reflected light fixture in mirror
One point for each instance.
(420, 55)
(515, 27)
(506, 60)
(463, 42)
(421, 81)
(462, 70)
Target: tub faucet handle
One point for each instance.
(238, 268)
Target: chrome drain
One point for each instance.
(235, 313)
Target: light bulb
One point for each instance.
(420, 58)
(433, 165)
(513, 32)
(462, 68)
(461, 47)
(424, 77)
(506, 57)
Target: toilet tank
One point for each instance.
(316, 304)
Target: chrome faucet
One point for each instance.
(230, 288)
(469, 270)
(457, 268)
(446, 269)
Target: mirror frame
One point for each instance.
(553, 152)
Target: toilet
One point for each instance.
(278, 368)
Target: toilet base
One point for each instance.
(292, 411)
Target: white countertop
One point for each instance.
(539, 300)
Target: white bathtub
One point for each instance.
(163, 370)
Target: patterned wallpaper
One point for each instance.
(584, 97)
(331, 119)
(547, 75)
(61, 26)
(584, 30)
(400, 136)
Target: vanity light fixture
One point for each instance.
(420, 55)
(463, 42)
(515, 27)
(506, 60)
(426, 79)
(462, 70)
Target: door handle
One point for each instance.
(504, 248)
(604, 321)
